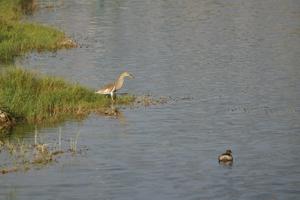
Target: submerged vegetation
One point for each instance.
(35, 98)
(22, 155)
(17, 38)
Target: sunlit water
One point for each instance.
(232, 68)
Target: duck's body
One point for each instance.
(113, 87)
(226, 157)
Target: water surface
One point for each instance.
(232, 68)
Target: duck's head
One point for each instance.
(228, 152)
(127, 74)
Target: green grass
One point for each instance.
(39, 99)
(18, 38)
(10, 10)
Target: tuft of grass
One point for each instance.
(17, 38)
(39, 99)
(10, 10)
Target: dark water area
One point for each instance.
(232, 68)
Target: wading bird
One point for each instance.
(113, 87)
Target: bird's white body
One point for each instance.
(106, 90)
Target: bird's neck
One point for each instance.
(119, 82)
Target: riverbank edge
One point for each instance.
(29, 97)
(18, 37)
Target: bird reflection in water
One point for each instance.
(115, 112)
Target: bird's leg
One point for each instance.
(112, 96)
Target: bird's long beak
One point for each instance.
(131, 76)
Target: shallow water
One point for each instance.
(232, 68)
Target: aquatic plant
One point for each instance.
(17, 38)
(37, 98)
(73, 143)
(22, 156)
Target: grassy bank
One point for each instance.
(38, 99)
(17, 38)
(30, 96)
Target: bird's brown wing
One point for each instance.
(107, 89)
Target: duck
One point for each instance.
(226, 157)
(111, 88)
